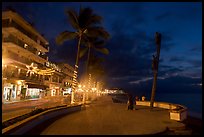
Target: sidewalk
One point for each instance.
(103, 117)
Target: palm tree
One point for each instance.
(85, 23)
(95, 70)
(97, 45)
(155, 66)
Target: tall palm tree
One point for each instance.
(155, 66)
(85, 23)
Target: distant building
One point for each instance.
(24, 53)
(67, 81)
(114, 91)
(53, 79)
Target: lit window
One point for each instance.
(25, 45)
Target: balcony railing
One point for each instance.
(21, 44)
(22, 76)
(5, 23)
(18, 42)
(15, 57)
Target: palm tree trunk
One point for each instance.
(76, 70)
(158, 43)
(87, 74)
(88, 58)
(78, 49)
(153, 90)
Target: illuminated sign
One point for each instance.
(53, 66)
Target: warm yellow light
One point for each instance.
(79, 86)
(19, 82)
(75, 71)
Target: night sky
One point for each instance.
(132, 27)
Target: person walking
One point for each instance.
(130, 102)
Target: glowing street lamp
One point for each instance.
(79, 86)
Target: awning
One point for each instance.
(37, 86)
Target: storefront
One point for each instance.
(54, 91)
(9, 92)
(35, 91)
(12, 91)
(66, 91)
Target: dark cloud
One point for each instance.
(196, 49)
(176, 59)
(162, 16)
(133, 52)
(196, 63)
(63, 53)
(175, 84)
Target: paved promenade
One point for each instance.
(103, 117)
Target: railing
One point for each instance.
(20, 43)
(177, 112)
(43, 56)
(9, 74)
(5, 23)
(17, 58)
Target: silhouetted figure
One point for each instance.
(136, 99)
(130, 102)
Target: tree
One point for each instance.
(97, 45)
(85, 23)
(155, 65)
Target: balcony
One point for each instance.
(9, 74)
(14, 44)
(6, 24)
(15, 58)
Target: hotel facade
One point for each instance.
(26, 71)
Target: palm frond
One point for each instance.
(98, 31)
(73, 18)
(84, 16)
(66, 35)
(82, 52)
(94, 20)
(102, 50)
(99, 43)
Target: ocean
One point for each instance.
(193, 101)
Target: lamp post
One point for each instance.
(155, 65)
